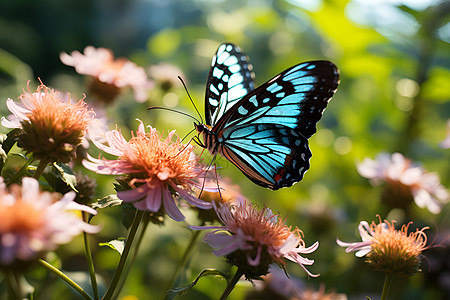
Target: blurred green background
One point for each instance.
(394, 60)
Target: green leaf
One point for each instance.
(117, 245)
(66, 174)
(107, 201)
(13, 164)
(184, 290)
(10, 139)
(7, 141)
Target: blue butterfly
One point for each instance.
(264, 131)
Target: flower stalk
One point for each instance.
(90, 262)
(40, 168)
(64, 277)
(123, 258)
(141, 233)
(386, 286)
(232, 283)
(183, 260)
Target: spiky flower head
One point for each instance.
(252, 239)
(387, 250)
(154, 167)
(52, 125)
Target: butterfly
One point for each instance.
(264, 131)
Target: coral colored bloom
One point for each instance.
(405, 180)
(252, 239)
(33, 222)
(115, 73)
(52, 126)
(154, 167)
(388, 250)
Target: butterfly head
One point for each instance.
(202, 128)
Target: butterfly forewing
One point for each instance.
(296, 98)
(230, 78)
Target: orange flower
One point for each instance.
(52, 126)
(154, 168)
(253, 239)
(388, 250)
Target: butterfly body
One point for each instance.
(265, 131)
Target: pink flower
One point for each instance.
(53, 126)
(153, 167)
(405, 179)
(253, 239)
(100, 64)
(388, 250)
(34, 222)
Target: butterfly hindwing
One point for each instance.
(230, 78)
(271, 155)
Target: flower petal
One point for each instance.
(153, 200)
(191, 199)
(170, 206)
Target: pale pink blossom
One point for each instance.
(255, 233)
(367, 237)
(100, 63)
(154, 166)
(33, 222)
(400, 172)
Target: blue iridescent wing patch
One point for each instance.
(230, 78)
(265, 132)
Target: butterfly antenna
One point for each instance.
(187, 134)
(173, 110)
(187, 92)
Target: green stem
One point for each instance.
(21, 171)
(124, 256)
(135, 251)
(40, 168)
(184, 258)
(386, 286)
(64, 277)
(90, 262)
(231, 284)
